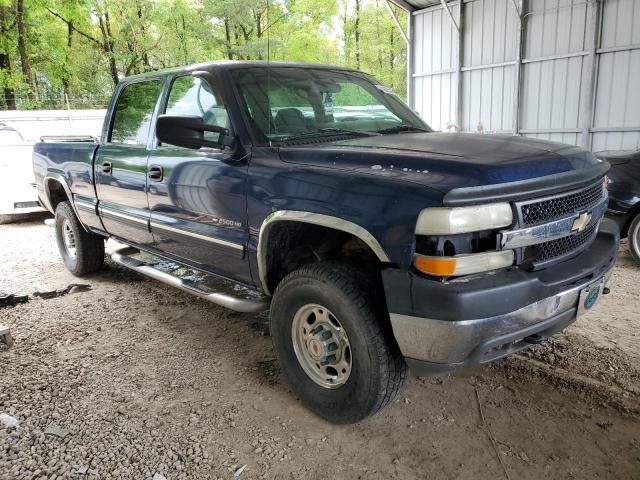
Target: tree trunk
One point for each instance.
(238, 42)
(259, 24)
(347, 34)
(143, 31)
(25, 63)
(380, 50)
(227, 34)
(392, 55)
(105, 28)
(259, 30)
(357, 34)
(66, 75)
(183, 41)
(7, 92)
(246, 33)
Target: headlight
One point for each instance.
(448, 221)
(464, 264)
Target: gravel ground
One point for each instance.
(133, 379)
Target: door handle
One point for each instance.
(106, 167)
(155, 173)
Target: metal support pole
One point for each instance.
(590, 98)
(520, 47)
(445, 5)
(460, 91)
(410, 61)
(517, 8)
(397, 22)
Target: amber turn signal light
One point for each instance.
(463, 264)
(443, 266)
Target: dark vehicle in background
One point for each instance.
(379, 246)
(624, 194)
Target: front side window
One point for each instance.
(194, 96)
(285, 103)
(133, 114)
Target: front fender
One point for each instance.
(328, 221)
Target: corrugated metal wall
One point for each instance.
(563, 70)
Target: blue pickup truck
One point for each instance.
(380, 246)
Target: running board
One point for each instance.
(214, 289)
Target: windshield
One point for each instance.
(287, 103)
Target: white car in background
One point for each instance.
(18, 195)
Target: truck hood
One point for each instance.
(445, 161)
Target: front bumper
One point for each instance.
(443, 326)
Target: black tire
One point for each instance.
(634, 238)
(378, 369)
(89, 247)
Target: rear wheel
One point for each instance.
(334, 343)
(634, 238)
(81, 251)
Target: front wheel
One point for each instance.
(334, 343)
(81, 251)
(634, 238)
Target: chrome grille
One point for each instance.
(560, 248)
(551, 209)
(550, 217)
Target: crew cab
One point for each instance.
(380, 246)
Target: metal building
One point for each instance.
(563, 70)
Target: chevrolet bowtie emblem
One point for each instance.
(581, 222)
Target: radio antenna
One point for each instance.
(268, 73)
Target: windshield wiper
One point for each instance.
(367, 133)
(402, 128)
(328, 132)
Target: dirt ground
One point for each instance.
(134, 379)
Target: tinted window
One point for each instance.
(290, 102)
(133, 112)
(194, 96)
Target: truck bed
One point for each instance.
(68, 162)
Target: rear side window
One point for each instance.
(134, 109)
(194, 96)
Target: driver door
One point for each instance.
(197, 197)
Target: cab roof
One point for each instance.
(230, 65)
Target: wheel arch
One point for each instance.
(57, 190)
(635, 211)
(301, 218)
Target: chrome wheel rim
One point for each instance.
(635, 239)
(69, 239)
(321, 346)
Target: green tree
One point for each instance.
(58, 53)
